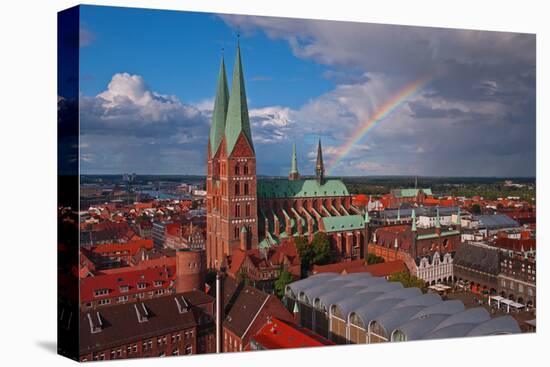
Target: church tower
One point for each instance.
(320, 167)
(213, 182)
(231, 182)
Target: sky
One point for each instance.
(383, 99)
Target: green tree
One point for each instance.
(373, 259)
(305, 253)
(408, 280)
(476, 209)
(284, 279)
(322, 252)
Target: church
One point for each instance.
(245, 213)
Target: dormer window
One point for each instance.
(124, 288)
(142, 285)
(182, 304)
(101, 292)
(96, 324)
(141, 313)
(158, 283)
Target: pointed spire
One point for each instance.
(293, 174)
(413, 221)
(367, 218)
(320, 167)
(220, 110)
(437, 221)
(237, 111)
(458, 217)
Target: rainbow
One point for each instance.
(383, 111)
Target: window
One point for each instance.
(247, 209)
(238, 210)
(158, 283)
(237, 188)
(188, 349)
(236, 232)
(237, 170)
(124, 288)
(246, 188)
(245, 169)
(122, 299)
(101, 292)
(142, 285)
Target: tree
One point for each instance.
(305, 253)
(284, 279)
(373, 259)
(408, 280)
(476, 209)
(322, 253)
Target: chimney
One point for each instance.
(219, 308)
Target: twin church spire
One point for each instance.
(230, 118)
(319, 166)
(230, 115)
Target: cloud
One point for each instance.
(127, 125)
(87, 37)
(475, 117)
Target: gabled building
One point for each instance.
(245, 311)
(428, 252)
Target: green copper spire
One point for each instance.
(237, 112)
(367, 218)
(413, 221)
(293, 174)
(437, 221)
(294, 162)
(458, 217)
(220, 111)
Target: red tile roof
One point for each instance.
(358, 266)
(282, 334)
(131, 247)
(131, 278)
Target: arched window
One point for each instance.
(237, 188)
(238, 210)
(237, 169)
(236, 232)
(246, 188)
(245, 169)
(247, 209)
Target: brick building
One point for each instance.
(271, 210)
(246, 310)
(428, 252)
(176, 325)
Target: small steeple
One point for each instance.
(237, 110)
(367, 218)
(437, 221)
(320, 167)
(293, 174)
(413, 221)
(458, 217)
(220, 110)
(398, 213)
